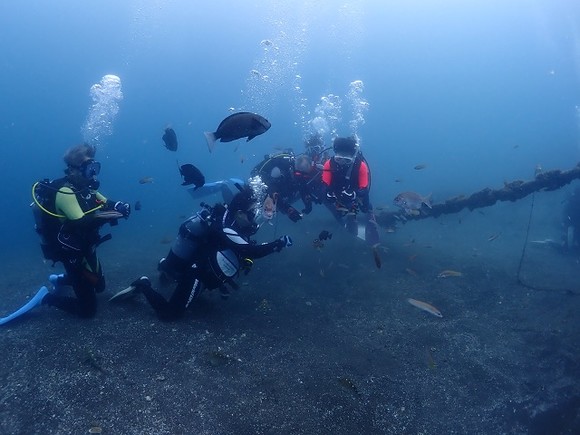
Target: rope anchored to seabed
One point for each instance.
(518, 189)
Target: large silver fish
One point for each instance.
(237, 126)
(412, 202)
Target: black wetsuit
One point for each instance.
(205, 254)
(75, 246)
(289, 185)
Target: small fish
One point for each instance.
(398, 180)
(170, 139)
(137, 205)
(317, 244)
(425, 307)
(430, 361)
(93, 360)
(447, 273)
(412, 257)
(349, 385)
(325, 235)
(191, 175)
(420, 166)
(376, 256)
(412, 202)
(411, 271)
(146, 180)
(551, 242)
(269, 207)
(237, 126)
(493, 237)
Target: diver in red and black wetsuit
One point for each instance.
(348, 180)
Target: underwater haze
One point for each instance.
(476, 93)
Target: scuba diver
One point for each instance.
(210, 250)
(68, 215)
(348, 181)
(289, 178)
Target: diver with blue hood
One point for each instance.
(212, 247)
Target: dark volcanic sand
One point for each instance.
(313, 342)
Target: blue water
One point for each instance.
(480, 91)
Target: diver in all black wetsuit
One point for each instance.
(211, 248)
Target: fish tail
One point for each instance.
(210, 138)
(427, 200)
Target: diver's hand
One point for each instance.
(293, 214)
(348, 195)
(283, 242)
(123, 208)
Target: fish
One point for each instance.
(376, 256)
(317, 244)
(107, 214)
(237, 126)
(550, 242)
(425, 307)
(447, 273)
(191, 175)
(493, 237)
(412, 202)
(137, 205)
(325, 235)
(170, 139)
(420, 166)
(146, 180)
(269, 208)
(349, 385)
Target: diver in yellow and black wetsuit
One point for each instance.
(69, 229)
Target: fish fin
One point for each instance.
(250, 137)
(210, 138)
(427, 200)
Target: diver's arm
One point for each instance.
(66, 203)
(240, 245)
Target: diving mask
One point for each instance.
(343, 160)
(90, 169)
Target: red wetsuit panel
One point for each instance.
(363, 176)
(327, 173)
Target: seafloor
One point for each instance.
(315, 341)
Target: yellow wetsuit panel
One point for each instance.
(66, 203)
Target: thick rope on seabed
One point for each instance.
(518, 189)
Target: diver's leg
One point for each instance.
(186, 290)
(85, 303)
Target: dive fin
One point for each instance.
(32, 303)
(124, 294)
(210, 138)
(361, 232)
